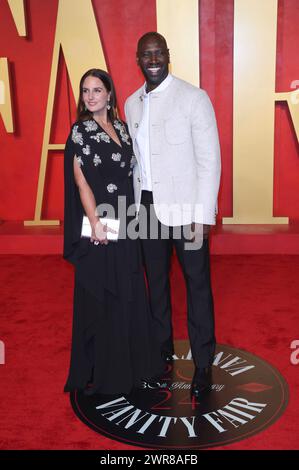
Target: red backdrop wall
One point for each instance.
(121, 23)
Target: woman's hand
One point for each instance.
(99, 233)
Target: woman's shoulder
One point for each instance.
(122, 126)
(75, 137)
(80, 128)
(84, 126)
(89, 125)
(119, 123)
(123, 130)
(76, 128)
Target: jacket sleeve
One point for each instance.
(126, 112)
(207, 153)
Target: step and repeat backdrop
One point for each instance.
(242, 52)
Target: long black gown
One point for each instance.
(112, 339)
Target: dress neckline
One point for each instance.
(116, 131)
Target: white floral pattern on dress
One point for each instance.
(101, 136)
(123, 164)
(111, 188)
(117, 124)
(122, 130)
(116, 157)
(86, 150)
(97, 160)
(130, 173)
(124, 137)
(77, 136)
(79, 160)
(90, 126)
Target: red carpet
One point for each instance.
(256, 304)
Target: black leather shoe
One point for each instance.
(201, 381)
(167, 357)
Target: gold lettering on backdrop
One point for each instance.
(293, 101)
(255, 25)
(180, 26)
(5, 98)
(18, 13)
(77, 34)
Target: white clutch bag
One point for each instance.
(111, 223)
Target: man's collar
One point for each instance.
(160, 87)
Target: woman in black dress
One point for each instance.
(112, 348)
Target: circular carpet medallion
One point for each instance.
(246, 396)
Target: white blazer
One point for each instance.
(184, 153)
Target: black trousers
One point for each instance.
(196, 269)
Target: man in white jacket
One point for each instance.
(175, 138)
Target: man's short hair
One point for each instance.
(148, 35)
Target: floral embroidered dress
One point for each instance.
(112, 343)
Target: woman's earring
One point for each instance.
(108, 105)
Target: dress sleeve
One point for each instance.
(73, 209)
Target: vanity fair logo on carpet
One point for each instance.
(247, 395)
